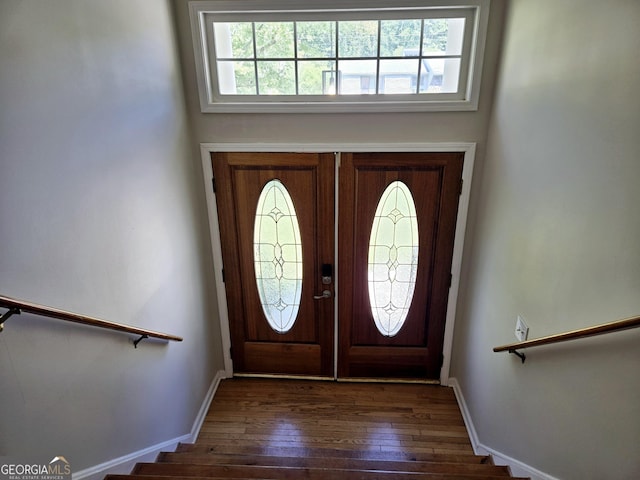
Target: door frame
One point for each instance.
(468, 148)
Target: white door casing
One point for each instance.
(467, 148)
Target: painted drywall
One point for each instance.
(101, 213)
(340, 128)
(555, 239)
(374, 128)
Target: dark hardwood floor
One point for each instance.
(295, 429)
(372, 418)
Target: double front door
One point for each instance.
(357, 280)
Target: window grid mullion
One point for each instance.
(280, 59)
(335, 58)
(338, 79)
(295, 55)
(378, 59)
(255, 56)
(420, 58)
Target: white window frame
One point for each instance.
(203, 13)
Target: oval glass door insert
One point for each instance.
(393, 258)
(277, 253)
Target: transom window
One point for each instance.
(357, 57)
(417, 56)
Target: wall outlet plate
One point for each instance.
(522, 330)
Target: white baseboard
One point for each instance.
(204, 408)
(518, 468)
(124, 464)
(466, 416)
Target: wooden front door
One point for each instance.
(395, 261)
(276, 215)
(396, 225)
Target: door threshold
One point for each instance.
(283, 377)
(420, 381)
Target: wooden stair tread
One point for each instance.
(295, 473)
(345, 476)
(166, 477)
(337, 463)
(330, 453)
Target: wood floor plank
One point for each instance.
(341, 463)
(345, 416)
(286, 473)
(297, 429)
(398, 455)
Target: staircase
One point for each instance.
(277, 429)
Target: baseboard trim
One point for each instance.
(125, 463)
(466, 416)
(517, 467)
(204, 408)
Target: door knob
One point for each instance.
(325, 294)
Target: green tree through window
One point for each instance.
(304, 57)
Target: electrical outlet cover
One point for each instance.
(522, 330)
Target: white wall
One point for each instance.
(326, 128)
(102, 213)
(340, 128)
(556, 239)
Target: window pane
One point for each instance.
(393, 258)
(455, 36)
(440, 75)
(317, 77)
(236, 78)
(316, 39)
(358, 39)
(277, 248)
(234, 40)
(400, 38)
(276, 78)
(274, 39)
(443, 36)
(357, 77)
(398, 76)
(450, 75)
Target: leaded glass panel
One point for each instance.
(393, 258)
(277, 248)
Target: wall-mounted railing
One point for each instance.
(624, 324)
(16, 307)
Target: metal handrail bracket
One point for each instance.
(6, 315)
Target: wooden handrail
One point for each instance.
(16, 306)
(624, 324)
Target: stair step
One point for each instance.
(293, 473)
(330, 452)
(300, 430)
(165, 477)
(458, 446)
(341, 476)
(335, 462)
